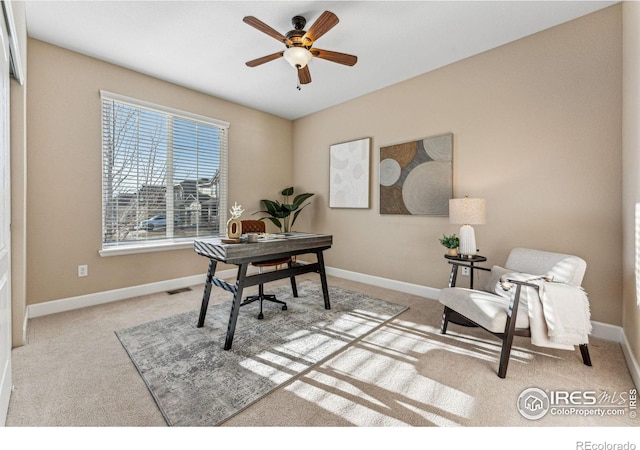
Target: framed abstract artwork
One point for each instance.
(416, 178)
(349, 174)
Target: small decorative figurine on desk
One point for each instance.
(234, 225)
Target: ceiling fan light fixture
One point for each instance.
(298, 42)
(298, 57)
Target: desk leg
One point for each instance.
(294, 286)
(235, 305)
(207, 291)
(323, 280)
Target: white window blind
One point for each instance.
(164, 173)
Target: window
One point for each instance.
(163, 175)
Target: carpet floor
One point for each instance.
(75, 372)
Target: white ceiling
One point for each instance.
(203, 45)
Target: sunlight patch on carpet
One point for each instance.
(404, 391)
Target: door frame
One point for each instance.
(5, 226)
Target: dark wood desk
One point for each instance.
(244, 253)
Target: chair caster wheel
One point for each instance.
(260, 316)
(284, 308)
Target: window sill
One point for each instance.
(147, 247)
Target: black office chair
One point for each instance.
(258, 226)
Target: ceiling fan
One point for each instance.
(299, 44)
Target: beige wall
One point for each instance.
(536, 127)
(64, 171)
(631, 159)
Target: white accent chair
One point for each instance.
(508, 317)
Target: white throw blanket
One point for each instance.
(559, 317)
(566, 312)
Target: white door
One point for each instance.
(5, 230)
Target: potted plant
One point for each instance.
(451, 242)
(280, 213)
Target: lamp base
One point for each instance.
(467, 241)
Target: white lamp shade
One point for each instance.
(298, 57)
(467, 211)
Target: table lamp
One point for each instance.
(466, 212)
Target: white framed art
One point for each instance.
(349, 174)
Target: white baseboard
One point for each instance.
(98, 298)
(616, 334)
(606, 331)
(632, 362)
(400, 286)
(600, 330)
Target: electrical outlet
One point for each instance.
(465, 271)
(83, 270)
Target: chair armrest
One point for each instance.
(523, 283)
(515, 297)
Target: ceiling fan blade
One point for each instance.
(304, 75)
(266, 29)
(336, 57)
(264, 59)
(325, 22)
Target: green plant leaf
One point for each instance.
(275, 208)
(279, 213)
(271, 206)
(295, 216)
(276, 222)
(450, 241)
(287, 192)
(300, 198)
(289, 207)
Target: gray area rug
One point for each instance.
(197, 383)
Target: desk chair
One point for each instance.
(258, 226)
